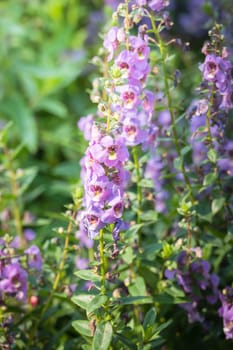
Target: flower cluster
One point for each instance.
(13, 276)
(129, 110)
(154, 5)
(104, 178)
(197, 282)
(208, 120)
(226, 311)
(216, 71)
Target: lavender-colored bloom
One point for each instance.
(153, 171)
(112, 40)
(132, 132)
(81, 263)
(14, 282)
(34, 257)
(154, 5)
(194, 20)
(112, 3)
(226, 163)
(158, 5)
(226, 311)
(29, 235)
(192, 312)
(84, 240)
(110, 151)
(198, 283)
(217, 70)
(129, 95)
(210, 67)
(90, 221)
(85, 125)
(118, 227)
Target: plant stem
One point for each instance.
(16, 204)
(58, 275)
(139, 189)
(102, 263)
(169, 103)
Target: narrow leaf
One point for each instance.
(82, 327)
(102, 337)
(96, 303)
(82, 300)
(88, 275)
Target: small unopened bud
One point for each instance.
(60, 230)
(33, 300)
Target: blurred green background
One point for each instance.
(46, 46)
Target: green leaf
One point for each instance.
(149, 215)
(96, 303)
(52, 106)
(82, 300)
(138, 287)
(167, 299)
(209, 179)
(217, 205)
(128, 255)
(150, 318)
(82, 327)
(185, 150)
(138, 300)
(130, 345)
(212, 155)
(27, 177)
(152, 250)
(88, 275)
(178, 163)
(146, 183)
(103, 336)
(133, 230)
(15, 108)
(155, 343)
(162, 327)
(4, 132)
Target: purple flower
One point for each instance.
(226, 311)
(196, 280)
(111, 151)
(90, 222)
(81, 263)
(85, 125)
(210, 67)
(129, 95)
(153, 171)
(29, 235)
(14, 282)
(34, 257)
(217, 69)
(84, 240)
(133, 132)
(118, 227)
(226, 163)
(155, 5)
(112, 40)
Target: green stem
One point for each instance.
(169, 102)
(139, 188)
(102, 263)
(16, 202)
(57, 278)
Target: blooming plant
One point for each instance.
(141, 258)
